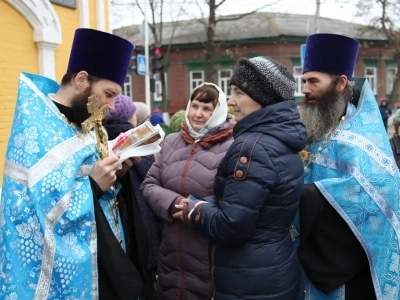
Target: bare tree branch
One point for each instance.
(174, 26)
(385, 24)
(241, 16)
(160, 29)
(157, 28)
(219, 4)
(141, 10)
(202, 19)
(153, 24)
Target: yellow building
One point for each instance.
(36, 37)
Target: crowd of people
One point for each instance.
(271, 200)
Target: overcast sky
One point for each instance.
(123, 15)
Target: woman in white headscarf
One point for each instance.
(184, 170)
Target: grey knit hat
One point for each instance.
(265, 80)
(142, 112)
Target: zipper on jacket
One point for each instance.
(180, 259)
(213, 269)
(186, 168)
(180, 226)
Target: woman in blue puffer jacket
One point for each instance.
(257, 188)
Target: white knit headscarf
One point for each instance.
(218, 117)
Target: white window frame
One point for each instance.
(389, 85)
(226, 88)
(299, 82)
(374, 78)
(127, 91)
(158, 88)
(196, 81)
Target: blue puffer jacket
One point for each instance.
(257, 192)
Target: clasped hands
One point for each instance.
(181, 207)
(105, 171)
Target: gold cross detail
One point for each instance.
(305, 155)
(94, 121)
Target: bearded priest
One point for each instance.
(61, 235)
(349, 213)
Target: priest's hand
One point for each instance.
(104, 172)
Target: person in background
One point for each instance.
(156, 117)
(140, 225)
(385, 111)
(185, 169)
(395, 139)
(349, 211)
(142, 113)
(60, 233)
(124, 110)
(257, 188)
(231, 111)
(175, 123)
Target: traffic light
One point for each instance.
(134, 64)
(156, 58)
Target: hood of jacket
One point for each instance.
(280, 120)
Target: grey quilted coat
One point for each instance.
(182, 168)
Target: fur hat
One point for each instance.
(142, 112)
(265, 80)
(124, 108)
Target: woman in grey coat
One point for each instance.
(184, 170)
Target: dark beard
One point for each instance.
(79, 112)
(322, 116)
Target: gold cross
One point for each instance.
(97, 113)
(305, 155)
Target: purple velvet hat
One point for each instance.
(100, 54)
(331, 53)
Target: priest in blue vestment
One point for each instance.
(61, 235)
(349, 214)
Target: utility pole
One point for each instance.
(146, 51)
(316, 18)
